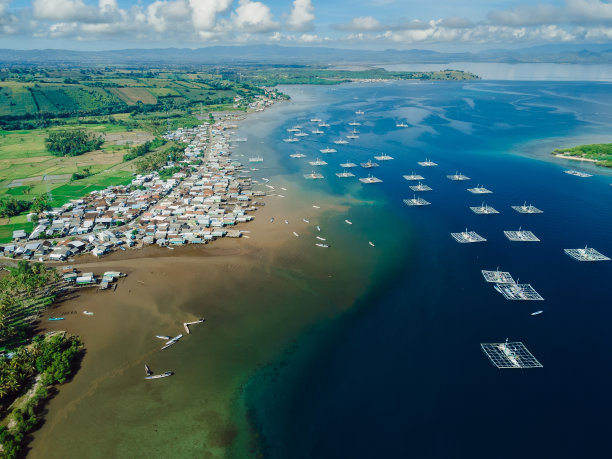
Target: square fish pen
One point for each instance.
(427, 163)
(586, 254)
(484, 210)
(479, 190)
(510, 355)
(527, 209)
(468, 236)
(420, 187)
(497, 277)
(524, 292)
(414, 177)
(416, 202)
(345, 174)
(521, 236)
(456, 177)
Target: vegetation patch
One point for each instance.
(601, 153)
(72, 143)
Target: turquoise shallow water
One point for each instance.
(402, 373)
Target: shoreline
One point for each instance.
(575, 158)
(165, 288)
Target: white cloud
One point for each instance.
(302, 16)
(362, 24)
(63, 10)
(254, 17)
(205, 12)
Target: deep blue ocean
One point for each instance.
(402, 374)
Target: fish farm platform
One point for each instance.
(427, 163)
(456, 177)
(420, 187)
(521, 236)
(498, 277)
(510, 355)
(524, 292)
(586, 254)
(484, 210)
(479, 190)
(527, 209)
(468, 236)
(416, 202)
(414, 177)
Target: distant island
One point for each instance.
(598, 153)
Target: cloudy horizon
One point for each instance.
(374, 24)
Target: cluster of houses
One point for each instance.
(204, 201)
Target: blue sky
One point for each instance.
(375, 24)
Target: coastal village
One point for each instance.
(210, 195)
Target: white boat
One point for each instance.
(316, 207)
(323, 125)
(359, 112)
(163, 375)
(317, 131)
(401, 125)
(315, 120)
(321, 238)
(318, 228)
(305, 221)
(322, 245)
(256, 159)
(296, 234)
(349, 222)
(371, 243)
(328, 150)
(294, 129)
(300, 134)
(340, 142)
(291, 139)
(536, 313)
(88, 313)
(354, 123)
(163, 337)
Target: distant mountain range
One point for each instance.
(285, 55)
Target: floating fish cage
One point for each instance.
(414, 177)
(369, 164)
(578, 173)
(524, 292)
(383, 158)
(345, 174)
(347, 165)
(313, 176)
(479, 190)
(586, 254)
(420, 187)
(318, 162)
(527, 209)
(498, 277)
(468, 236)
(521, 236)
(510, 355)
(484, 210)
(456, 177)
(416, 202)
(297, 155)
(370, 180)
(427, 163)
(328, 150)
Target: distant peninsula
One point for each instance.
(598, 153)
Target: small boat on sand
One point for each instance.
(148, 370)
(88, 313)
(163, 337)
(296, 234)
(163, 375)
(56, 318)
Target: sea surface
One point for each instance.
(401, 374)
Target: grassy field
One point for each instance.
(600, 152)
(7, 226)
